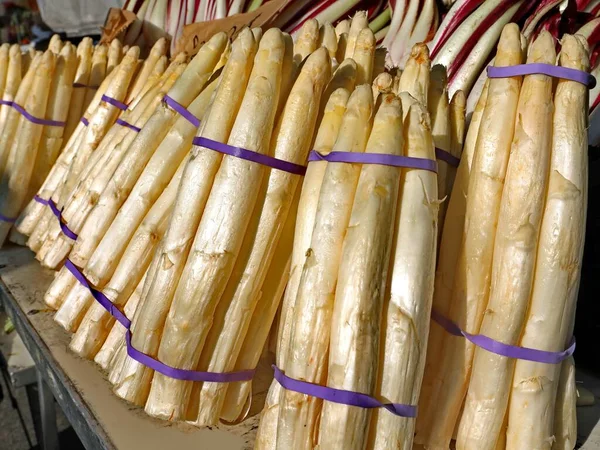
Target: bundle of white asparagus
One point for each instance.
(510, 260)
(196, 247)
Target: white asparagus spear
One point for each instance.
(237, 394)
(289, 72)
(382, 84)
(97, 73)
(82, 79)
(185, 89)
(13, 80)
(340, 54)
(307, 41)
(133, 380)
(473, 266)
(458, 106)
(24, 148)
(558, 262)
(357, 310)
(359, 22)
(514, 254)
(309, 334)
(328, 131)
(407, 308)
(364, 55)
(343, 26)
(158, 50)
(415, 77)
(565, 416)
(328, 39)
(448, 252)
(4, 64)
(97, 322)
(115, 53)
(215, 248)
(117, 333)
(291, 140)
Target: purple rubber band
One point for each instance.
(182, 110)
(148, 361)
(63, 226)
(36, 120)
(341, 396)
(85, 121)
(113, 101)
(128, 125)
(543, 69)
(248, 155)
(3, 218)
(375, 158)
(39, 199)
(447, 157)
(6, 102)
(499, 348)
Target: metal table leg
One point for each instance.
(48, 416)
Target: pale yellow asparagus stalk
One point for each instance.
(458, 106)
(133, 379)
(407, 308)
(185, 89)
(289, 72)
(97, 321)
(265, 313)
(565, 416)
(55, 44)
(472, 274)
(117, 333)
(310, 325)
(382, 84)
(514, 254)
(356, 320)
(343, 77)
(204, 279)
(328, 39)
(291, 141)
(97, 73)
(307, 41)
(364, 54)
(132, 165)
(415, 77)
(115, 53)
(23, 151)
(359, 22)
(103, 164)
(558, 262)
(4, 64)
(448, 252)
(161, 67)
(340, 54)
(159, 49)
(342, 27)
(131, 255)
(58, 106)
(13, 80)
(82, 77)
(329, 128)
(13, 120)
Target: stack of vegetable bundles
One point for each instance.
(510, 258)
(43, 95)
(175, 211)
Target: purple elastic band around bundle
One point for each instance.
(248, 155)
(341, 396)
(146, 360)
(36, 120)
(39, 199)
(85, 121)
(7, 219)
(128, 125)
(63, 226)
(6, 102)
(447, 157)
(375, 158)
(182, 110)
(113, 101)
(543, 69)
(499, 348)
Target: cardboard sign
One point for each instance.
(196, 34)
(116, 22)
